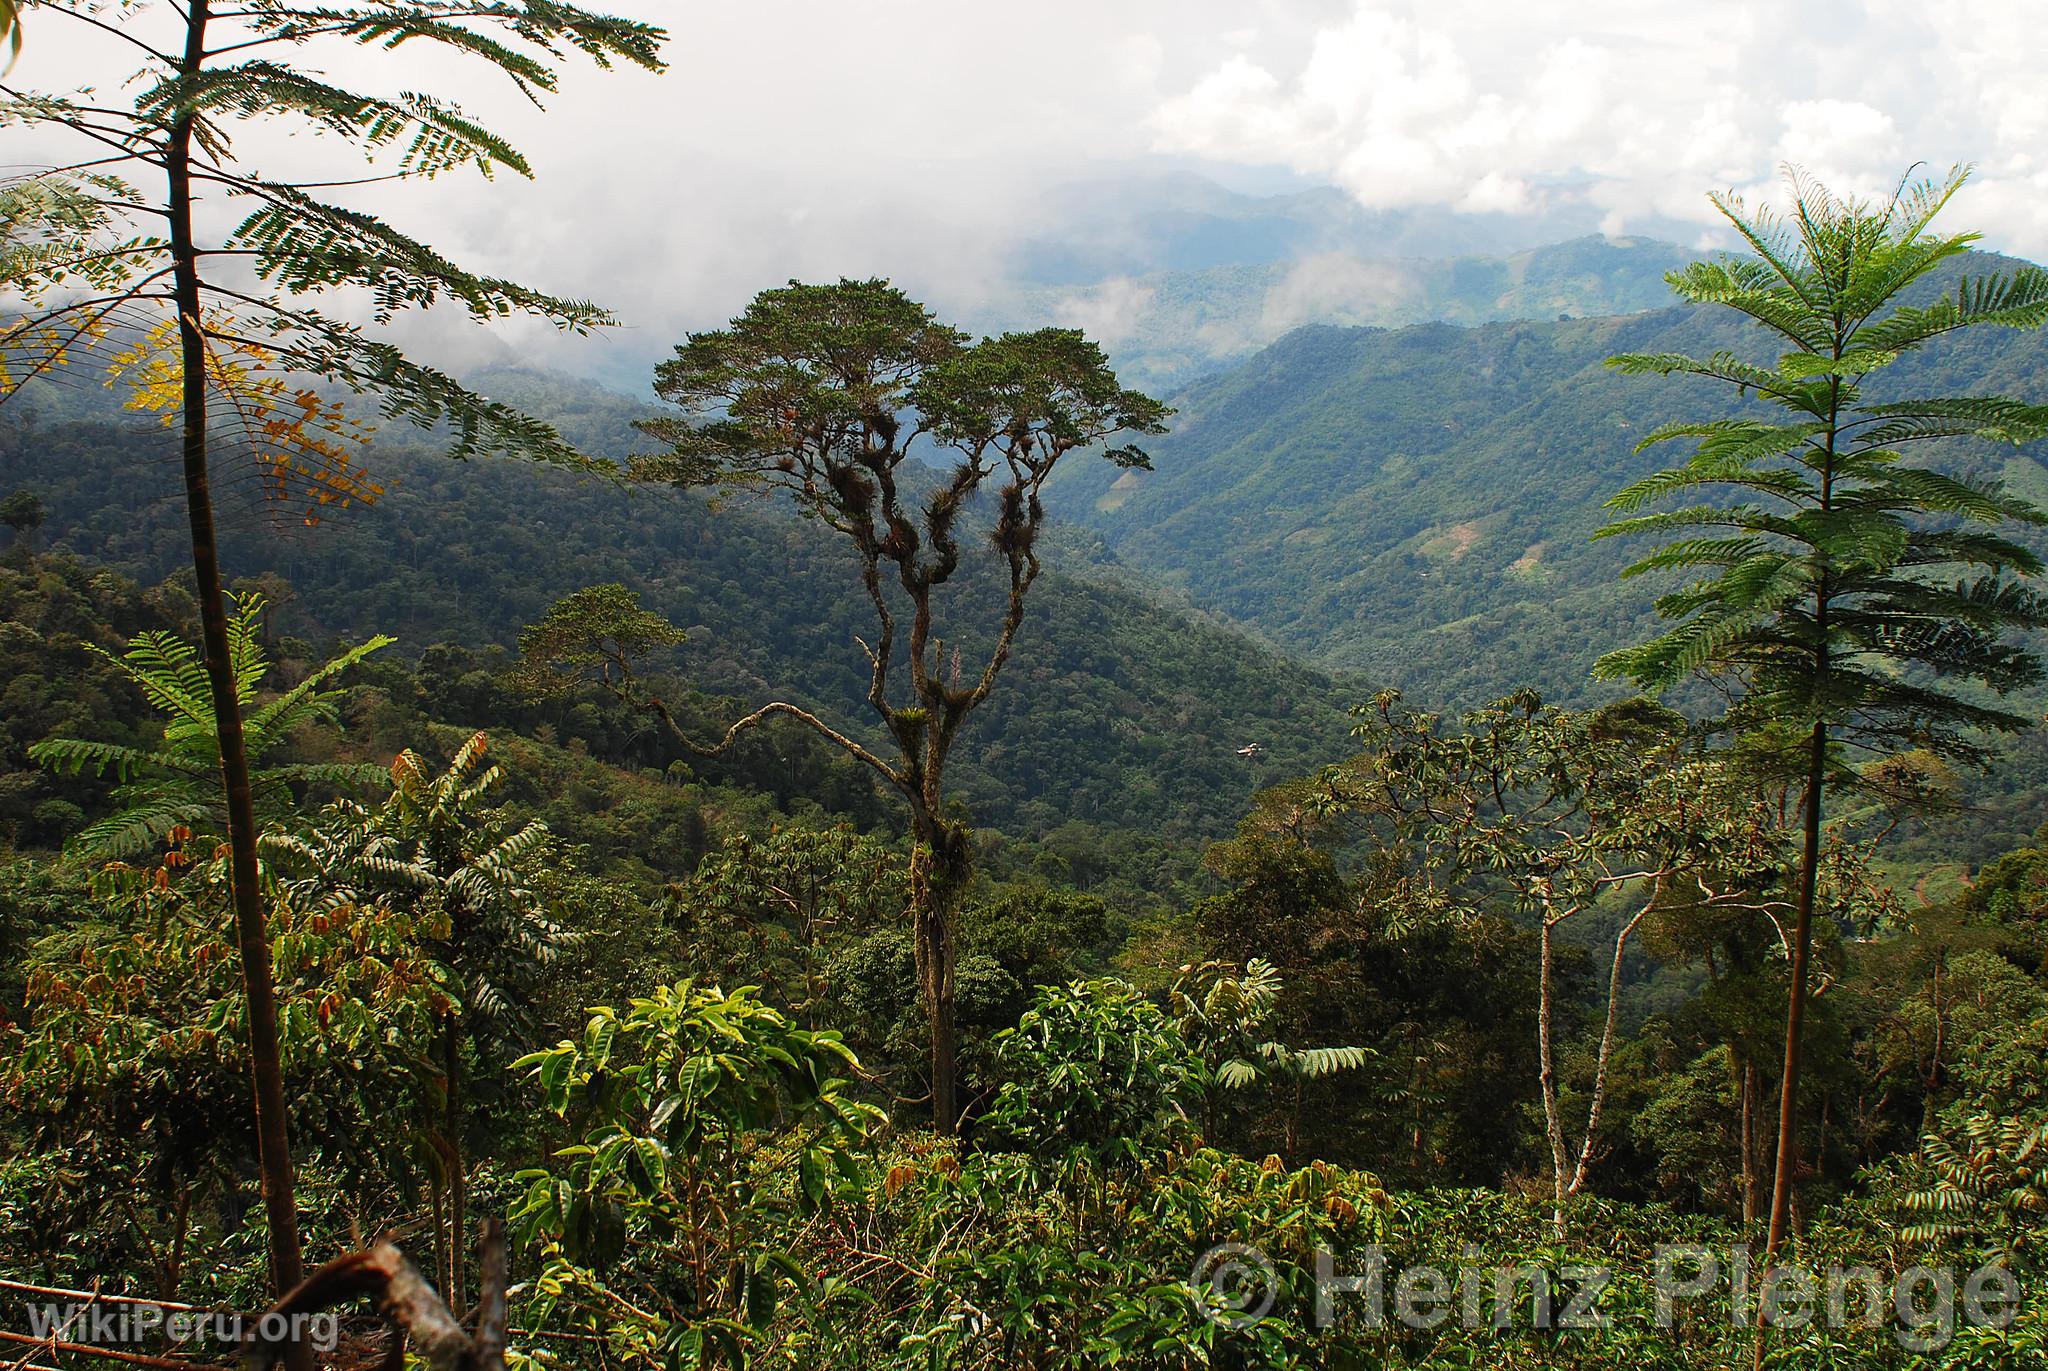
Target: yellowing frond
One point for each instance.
(302, 442)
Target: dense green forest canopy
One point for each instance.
(1266, 971)
(1415, 504)
(1122, 707)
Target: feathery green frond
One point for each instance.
(281, 715)
(178, 784)
(1721, 366)
(437, 135)
(1690, 552)
(1752, 287)
(1987, 417)
(2016, 301)
(1840, 554)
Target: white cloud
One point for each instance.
(915, 138)
(1109, 312)
(1840, 140)
(1638, 109)
(806, 138)
(1495, 193)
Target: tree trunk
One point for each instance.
(939, 869)
(437, 1224)
(251, 936)
(1553, 1126)
(1750, 1188)
(458, 1172)
(181, 1228)
(1931, 1081)
(1795, 1011)
(1608, 1030)
(1569, 1177)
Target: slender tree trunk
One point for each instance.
(1568, 1176)
(1820, 1155)
(252, 937)
(1553, 1125)
(1795, 1011)
(437, 1222)
(181, 1227)
(1749, 1139)
(1609, 1029)
(938, 877)
(458, 1171)
(1931, 1082)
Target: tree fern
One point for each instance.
(1867, 603)
(177, 785)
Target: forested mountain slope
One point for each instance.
(1114, 708)
(1416, 504)
(1410, 506)
(1167, 328)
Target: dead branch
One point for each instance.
(402, 1297)
(762, 715)
(114, 1354)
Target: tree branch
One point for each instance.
(762, 715)
(408, 1303)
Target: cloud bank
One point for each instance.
(923, 140)
(1637, 108)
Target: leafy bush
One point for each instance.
(1094, 1068)
(707, 1125)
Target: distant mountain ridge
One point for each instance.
(1168, 328)
(1152, 222)
(1416, 504)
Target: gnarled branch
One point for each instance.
(414, 1309)
(762, 715)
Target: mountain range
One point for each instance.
(1347, 508)
(1165, 329)
(1417, 505)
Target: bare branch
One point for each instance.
(416, 1312)
(761, 716)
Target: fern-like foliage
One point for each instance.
(176, 785)
(1990, 1185)
(1980, 1181)
(78, 244)
(1845, 582)
(1223, 1012)
(463, 869)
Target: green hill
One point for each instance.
(1415, 504)
(1116, 709)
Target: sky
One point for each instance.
(921, 139)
